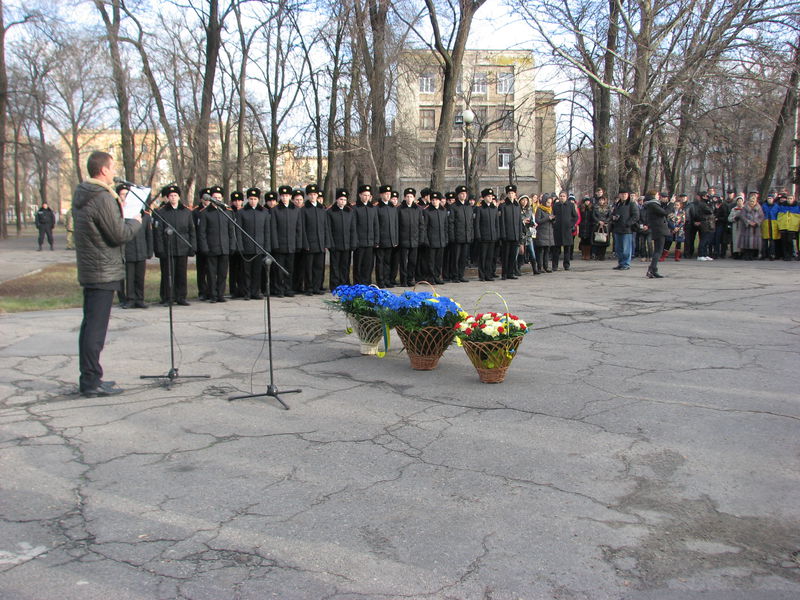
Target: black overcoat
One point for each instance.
(411, 226)
(342, 228)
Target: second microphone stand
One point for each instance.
(272, 390)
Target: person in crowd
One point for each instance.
(288, 240)
(411, 229)
(487, 232)
(565, 215)
(750, 218)
(201, 260)
(216, 239)
(137, 251)
(677, 223)
(788, 225)
(643, 245)
(736, 226)
(69, 225)
(705, 223)
(624, 222)
(544, 241)
(174, 218)
(100, 234)
(388, 237)
(236, 283)
(366, 219)
(585, 227)
(45, 221)
(510, 232)
(690, 231)
(436, 236)
(529, 232)
(343, 238)
(770, 233)
(316, 238)
(256, 221)
(461, 232)
(656, 209)
(601, 227)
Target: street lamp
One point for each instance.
(468, 116)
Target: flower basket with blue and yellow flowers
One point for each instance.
(361, 304)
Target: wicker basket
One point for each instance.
(492, 359)
(369, 331)
(425, 346)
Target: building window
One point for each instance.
(426, 156)
(504, 158)
(427, 83)
(455, 157)
(427, 118)
(480, 83)
(505, 83)
(507, 119)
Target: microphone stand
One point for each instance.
(172, 374)
(272, 389)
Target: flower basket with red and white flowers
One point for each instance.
(491, 341)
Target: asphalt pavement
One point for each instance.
(644, 445)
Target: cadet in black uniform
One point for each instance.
(201, 261)
(178, 217)
(216, 238)
(257, 222)
(288, 240)
(236, 264)
(315, 240)
(343, 238)
(388, 237)
(487, 232)
(436, 237)
(460, 234)
(510, 232)
(411, 228)
(366, 218)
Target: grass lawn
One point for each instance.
(56, 286)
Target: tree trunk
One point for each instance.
(451, 71)
(784, 119)
(602, 132)
(213, 30)
(3, 104)
(112, 24)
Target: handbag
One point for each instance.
(600, 236)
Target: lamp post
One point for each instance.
(468, 117)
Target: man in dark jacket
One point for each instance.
(411, 226)
(236, 283)
(566, 216)
(388, 237)
(366, 219)
(201, 260)
(624, 221)
(100, 235)
(216, 239)
(705, 223)
(487, 233)
(315, 241)
(341, 221)
(288, 239)
(137, 251)
(174, 218)
(45, 220)
(436, 237)
(510, 232)
(655, 221)
(461, 232)
(257, 223)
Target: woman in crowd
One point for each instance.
(544, 241)
(736, 227)
(601, 222)
(529, 224)
(585, 228)
(750, 219)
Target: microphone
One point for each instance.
(214, 201)
(120, 180)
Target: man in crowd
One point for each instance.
(566, 216)
(137, 251)
(288, 240)
(388, 237)
(366, 219)
(624, 220)
(216, 239)
(341, 220)
(461, 232)
(411, 226)
(256, 221)
(315, 241)
(174, 241)
(510, 232)
(45, 221)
